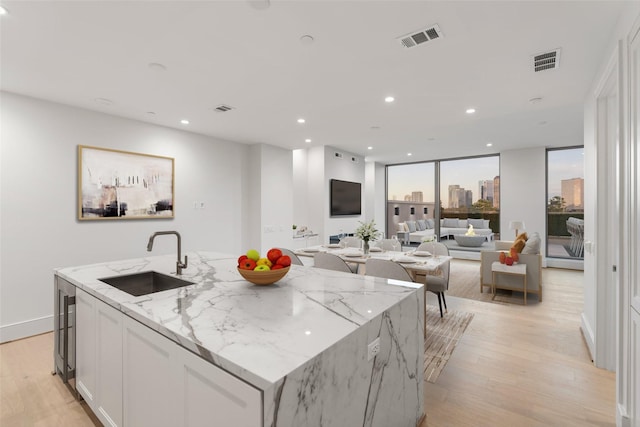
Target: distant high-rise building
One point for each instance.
(454, 201)
(468, 198)
(485, 190)
(496, 192)
(416, 196)
(572, 191)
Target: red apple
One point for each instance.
(242, 258)
(277, 266)
(509, 260)
(274, 254)
(284, 261)
(247, 264)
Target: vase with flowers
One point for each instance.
(367, 231)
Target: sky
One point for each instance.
(404, 179)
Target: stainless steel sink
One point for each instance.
(145, 283)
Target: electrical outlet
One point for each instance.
(373, 348)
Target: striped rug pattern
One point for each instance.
(442, 336)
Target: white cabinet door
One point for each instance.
(212, 397)
(109, 364)
(86, 347)
(149, 394)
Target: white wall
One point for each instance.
(376, 194)
(523, 192)
(38, 206)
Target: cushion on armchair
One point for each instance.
(518, 245)
(412, 226)
(430, 224)
(422, 224)
(533, 245)
(523, 236)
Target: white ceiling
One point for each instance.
(229, 52)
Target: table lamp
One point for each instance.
(516, 225)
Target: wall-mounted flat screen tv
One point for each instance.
(346, 198)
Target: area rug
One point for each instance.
(443, 334)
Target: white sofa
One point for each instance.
(422, 228)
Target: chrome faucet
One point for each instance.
(179, 264)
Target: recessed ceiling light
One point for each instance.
(301, 120)
(157, 66)
(535, 100)
(184, 121)
(369, 148)
(3, 11)
(470, 110)
(409, 154)
(306, 39)
(389, 99)
(103, 101)
(307, 332)
(489, 144)
(307, 140)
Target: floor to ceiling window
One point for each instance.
(468, 188)
(565, 203)
(410, 194)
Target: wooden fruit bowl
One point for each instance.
(263, 277)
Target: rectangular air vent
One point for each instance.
(418, 37)
(546, 60)
(223, 108)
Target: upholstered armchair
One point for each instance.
(534, 268)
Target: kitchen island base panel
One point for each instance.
(387, 390)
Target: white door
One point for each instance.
(109, 364)
(86, 347)
(149, 383)
(630, 337)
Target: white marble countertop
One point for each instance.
(258, 333)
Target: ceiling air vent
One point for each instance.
(546, 60)
(418, 37)
(222, 108)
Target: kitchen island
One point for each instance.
(295, 353)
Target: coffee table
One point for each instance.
(470, 241)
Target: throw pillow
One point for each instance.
(401, 226)
(430, 224)
(412, 226)
(486, 223)
(523, 236)
(518, 245)
(422, 224)
(533, 245)
(477, 223)
(450, 222)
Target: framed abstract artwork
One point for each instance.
(114, 184)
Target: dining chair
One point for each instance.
(391, 270)
(330, 262)
(351, 242)
(387, 269)
(439, 284)
(426, 246)
(294, 258)
(389, 244)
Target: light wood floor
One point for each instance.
(514, 366)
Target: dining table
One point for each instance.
(415, 262)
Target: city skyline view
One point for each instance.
(406, 180)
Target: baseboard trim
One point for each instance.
(28, 328)
(587, 334)
(471, 255)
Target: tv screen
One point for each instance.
(345, 198)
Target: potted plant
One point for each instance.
(366, 232)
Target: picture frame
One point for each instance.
(120, 185)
